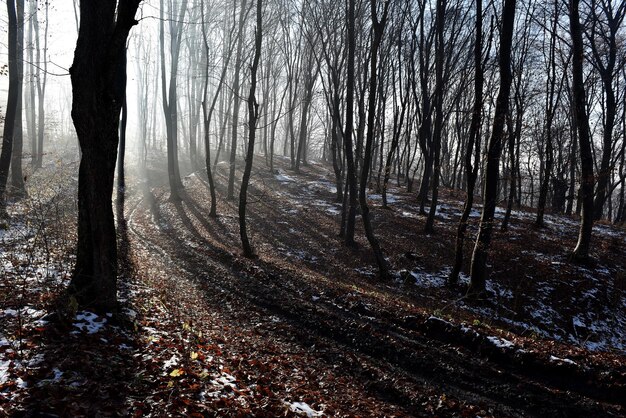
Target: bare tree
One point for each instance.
(253, 116)
(378, 28)
(479, 258)
(243, 13)
(472, 148)
(606, 21)
(581, 252)
(17, 177)
(104, 28)
(12, 101)
(169, 94)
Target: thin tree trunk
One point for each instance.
(253, 115)
(349, 206)
(378, 28)
(479, 258)
(9, 120)
(17, 177)
(473, 147)
(581, 251)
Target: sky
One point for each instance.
(62, 34)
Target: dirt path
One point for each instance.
(295, 326)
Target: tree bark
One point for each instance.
(235, 115)
(378, 27)
(581, 251)
(17, 177)
(253, 116)
(96, 105)
(479, 258)
(9, 120)
(473, 146)
(350, 208)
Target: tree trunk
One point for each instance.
(17, 177)
(429, 227)
(581, 252)
(41, 88)
(378, 28)
(349, 209)
(9, 120)
(483, 241)
(473, 146)
(96, 109)
(253, 115)
(235, 115)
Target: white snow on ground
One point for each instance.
(4, 371)
(323, 185)
(284, 178)
(173, 361)
(601, 320)
(26, 311)
(332, 208)
(302, 408)
(223, 386)
(562, 360)
(500, 342)
(424, 279)
(390, 197)
(225, 380)
(89, 322)
(299, 254)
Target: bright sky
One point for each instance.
(62, 33)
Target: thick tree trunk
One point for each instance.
(96, 109)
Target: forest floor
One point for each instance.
(307, 328)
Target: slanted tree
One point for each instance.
(96, 105)
(490, 194)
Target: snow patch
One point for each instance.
(500, 342)
(89, 322)
(562, 360)
(302, 408)
(284, 178)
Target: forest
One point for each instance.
(347, 208)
